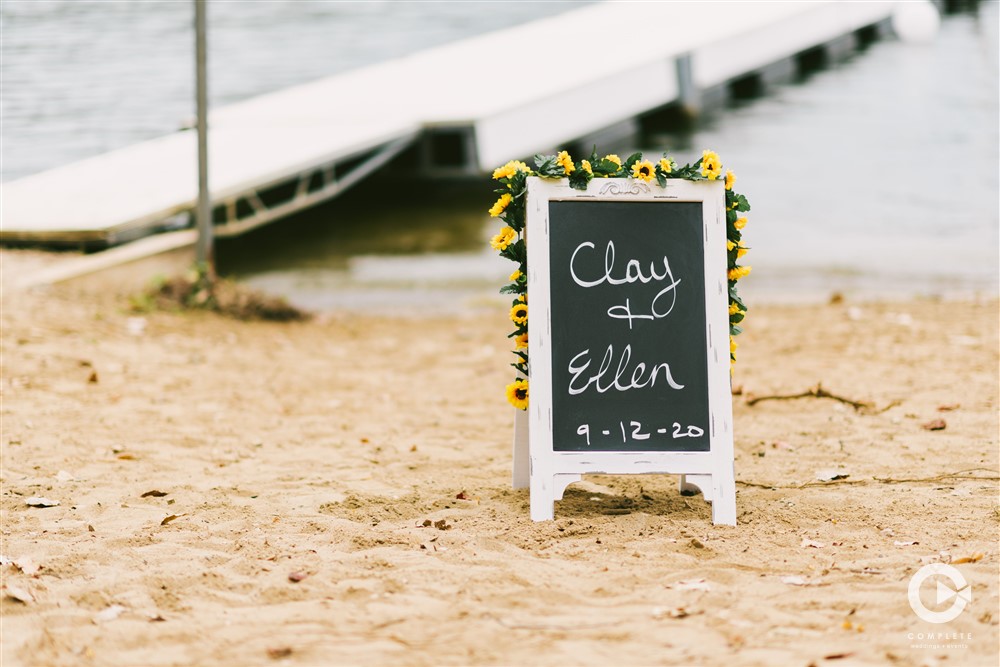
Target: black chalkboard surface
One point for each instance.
(628, 326)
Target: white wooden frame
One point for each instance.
(549, 472)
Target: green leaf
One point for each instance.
(515, 288)
(605, 167)
(548, 166)
(631, 160)
(579, 179)
(735, 330)
(515, 251)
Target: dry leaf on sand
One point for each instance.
(38, 501)
(27, 566)
(974, 558)
(109, 614)
(22, 595)
(690, 585)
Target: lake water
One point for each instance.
(876, 177)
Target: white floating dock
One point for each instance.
(505, 95)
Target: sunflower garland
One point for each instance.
(509, 242)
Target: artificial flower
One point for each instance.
(521, 341)
(740, 223)
(514, 277)
(510, 169)
(501, 204)
(666, 165)
(519, 313)
(738, 272)
(506, 236)
(711, 167)
(644, 170)
(566, 162)
(611, 157)
(730, 179)
(517, 394)
(734, 308)
(585, 165)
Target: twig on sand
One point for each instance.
(813, 392)
(547, 626)
(960, 474)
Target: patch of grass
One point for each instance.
(196, 290)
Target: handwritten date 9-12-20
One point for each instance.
(634, 430)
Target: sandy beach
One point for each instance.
(337, 492)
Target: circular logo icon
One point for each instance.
(958, 593)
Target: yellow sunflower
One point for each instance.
(510, 169)
(738, 272)
(585, 165)
(501, 204)
(666, 165)
(517, 394)
(566, 162)
(730, 179)
(644, 170)
(711, 166)
(521, 341)
(519, 313)
(734, 308)
(514, 277)
(506, 236)
(611, 157)
(740, 223)
(730, 245)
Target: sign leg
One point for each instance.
(522, 465)
(542, 498)
(724, 496)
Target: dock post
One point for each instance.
(203, 213)
(687, 92)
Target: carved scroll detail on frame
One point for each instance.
(617, 188)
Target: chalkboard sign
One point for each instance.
(628, 336)
(629, 363)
